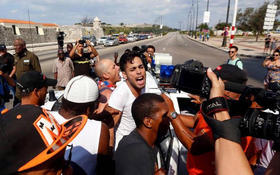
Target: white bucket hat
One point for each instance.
(81, 89)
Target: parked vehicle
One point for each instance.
(111, 41)
(142, 37)
(137, 37)
(115, 35)
(131, 38)
(91, 38)
(102, 40)
(122, 39)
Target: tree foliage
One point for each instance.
(242, 19)
(203, 26)
(222, 25)
(108, 30)
(252, 19)
(86, 20)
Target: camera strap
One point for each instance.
(214, 105)
(227, 129)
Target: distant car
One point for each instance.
(137, 37)
(115, 35)
(150, 36)
(91, 38)
(111, 41)
(122, 39)
(102, 40)
(142, 37)
(131, 38)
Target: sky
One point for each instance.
(67, 12)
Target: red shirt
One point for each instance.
(204, 164)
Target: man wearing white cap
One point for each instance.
(90, 147)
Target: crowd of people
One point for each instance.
(113, 116)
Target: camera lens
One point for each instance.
(260, 124)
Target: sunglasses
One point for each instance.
(276, 55)
(231, 51)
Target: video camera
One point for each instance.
(192, 78)
(60, 40)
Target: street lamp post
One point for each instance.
(225, 37)
(196, 19)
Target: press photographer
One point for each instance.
(82, 55)
(200, 141)
(253, 122)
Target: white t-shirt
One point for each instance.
(122, 99)
(85, 144)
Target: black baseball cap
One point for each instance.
(2, 47)
(30, 136)
(33, 79)
(231, 73)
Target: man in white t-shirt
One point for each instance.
(126, 92)
(90, 148)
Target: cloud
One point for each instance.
(117, 11)
(14, 11)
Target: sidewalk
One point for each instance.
(247, 46)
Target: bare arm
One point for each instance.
(94, 53)
(266, 62)
(107, 93)
(10, 81)
(13, 71)
(229, 156)
(72, 52)
(197, 144)
(55, 75)
(104, 158)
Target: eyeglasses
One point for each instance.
(231, 51)
(276, 55)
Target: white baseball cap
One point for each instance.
(81, 89)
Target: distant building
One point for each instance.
(31, 32)
(73, 32)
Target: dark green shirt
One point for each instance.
(27, 61)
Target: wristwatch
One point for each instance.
(174, 115)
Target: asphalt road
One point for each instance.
(180, 47)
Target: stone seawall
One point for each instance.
(30, 35)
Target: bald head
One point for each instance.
(102, 67)
(107, 70)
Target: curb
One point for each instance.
(243, 55)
